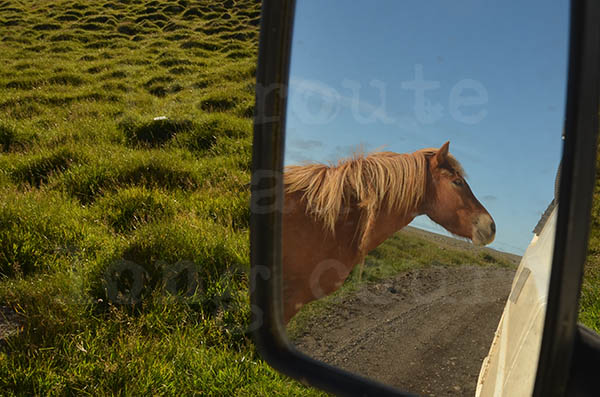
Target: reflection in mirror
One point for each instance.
(423, 141)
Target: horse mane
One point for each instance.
(378, 181)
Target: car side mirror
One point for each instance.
(562, 346)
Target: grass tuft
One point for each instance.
(91, 26)
(155, 132)
(12, 139)
(154, 169)
(128, 28)
(203, 45)
(152, 17)
(67, 79)
(35, 170)
(192, 13)
(167, 63)
(209, 128)
(42, 232)
(229, 210)
(220, 101)
(130, 208)
(46, 26)
(195, 249)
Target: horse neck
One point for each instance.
(382, 222)
(383, 227)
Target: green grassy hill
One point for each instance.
(88, 177)
(589, 304)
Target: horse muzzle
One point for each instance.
(484, 230)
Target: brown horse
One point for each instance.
(334, 215)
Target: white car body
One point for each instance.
(511, 365)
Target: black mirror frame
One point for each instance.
(576, 190)
(575, 196)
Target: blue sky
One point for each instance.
(490, 77)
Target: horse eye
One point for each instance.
(458, 182)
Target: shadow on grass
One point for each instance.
(12, 140)
(155, 132)
(36, 170)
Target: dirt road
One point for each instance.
(425, 331)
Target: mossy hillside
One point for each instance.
(125, 137)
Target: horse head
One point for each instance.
(450, 202)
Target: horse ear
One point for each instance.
(440, 156)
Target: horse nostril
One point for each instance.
(493, 227)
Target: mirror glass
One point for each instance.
(423, 141)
